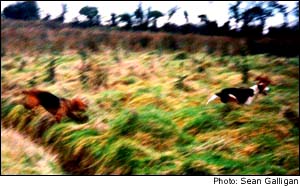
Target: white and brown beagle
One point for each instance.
(243, 95)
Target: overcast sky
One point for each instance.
(215, 10)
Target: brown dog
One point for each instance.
(58, 107)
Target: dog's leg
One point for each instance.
(232, 98)
(213, 97)
(77, 117)
(61, 112)
(250, 100)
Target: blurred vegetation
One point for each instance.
(145, 120)
(147, 93)
(36, 37)
(25, 158)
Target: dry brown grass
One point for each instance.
(19, 155)
(36, 37)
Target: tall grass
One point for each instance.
(141, 122)
(43, 39)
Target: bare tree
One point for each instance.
(186, 16)
(153, 16)
(61, 17)
(139, 14)
(203, 18)
(172, 11)
(235, 13)
(127, 19)
(47, 17)
(274, 5)
(113, 20)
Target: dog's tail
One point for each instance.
(213, 97)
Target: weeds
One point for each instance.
(151, 126)
(179, 84)
(129, 80)
(22, 65)
(51, 71)
(169, 42)
(98, 76)
(202, 124)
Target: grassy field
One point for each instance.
(147, 112)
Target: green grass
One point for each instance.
(148, 120)
(202, 124)
(141, 123)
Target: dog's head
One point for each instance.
(79, 104)
(262, 84)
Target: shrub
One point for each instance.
(211, 47)
(89, 42)
(169, 42)
(144, 41)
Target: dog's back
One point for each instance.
(239, 95)
(37, 97)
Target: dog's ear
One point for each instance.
(268, 81)
(79, 104)
(82, 100)
(257, 78)
(263, 79)
(30, 101)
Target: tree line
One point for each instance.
(249, 19)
